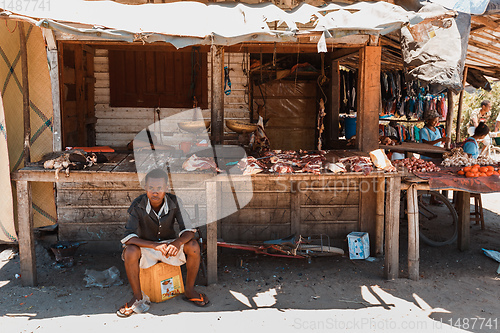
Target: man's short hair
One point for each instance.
(481, 129)
(485, 103)
(157, 174)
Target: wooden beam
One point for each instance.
(26, 241)
(393, 193)
(212, 205)
(449, 118)
(80, 95)
(52, 57)
(50, 39)
(379, 217)
(486, 36)
(295, 209)
(483, 56)
(460, 106)
(413, 233)
(250, 47)
(487, 46)
(368, 210)
(340, 54)
(488, 70)
(480, 61)
(368, 98)
(463, 204)
(26, 94)
(486, 21)
(217, 102)
(334, 105)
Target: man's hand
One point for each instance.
(169, 249)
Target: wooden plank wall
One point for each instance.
(118, 126)
(97, 211)
(280, 208)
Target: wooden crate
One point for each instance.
(161, 282)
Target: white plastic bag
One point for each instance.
(104, 279)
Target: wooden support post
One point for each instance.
(80, 95)
(26, 241)
(368, 209)
(334, 105)
(391, 266)
(379, 218)
(368, 98)
(295, 209)
(212, 204)
(52, 57)
(449, 117)
(463, 204)
(460, 106)
(26, 94)
(217, 102)
(413, 237)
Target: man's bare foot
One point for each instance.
(134, 306)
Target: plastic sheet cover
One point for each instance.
(435, 50)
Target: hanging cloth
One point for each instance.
(227, 81)
(417, 133)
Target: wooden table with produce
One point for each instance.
(457, 172)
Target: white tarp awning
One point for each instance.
(187, 23)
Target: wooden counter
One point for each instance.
(414, 147)
(92, 205)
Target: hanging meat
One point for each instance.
(358, 164)
(281, 167)
(251, 166)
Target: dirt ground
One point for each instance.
(457, 291)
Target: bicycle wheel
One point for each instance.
(438, 219)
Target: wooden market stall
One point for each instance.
(91, 74)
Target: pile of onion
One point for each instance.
(417, 164)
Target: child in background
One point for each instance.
(471, 146)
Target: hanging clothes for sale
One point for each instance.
(348, 93)
(409, 99)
